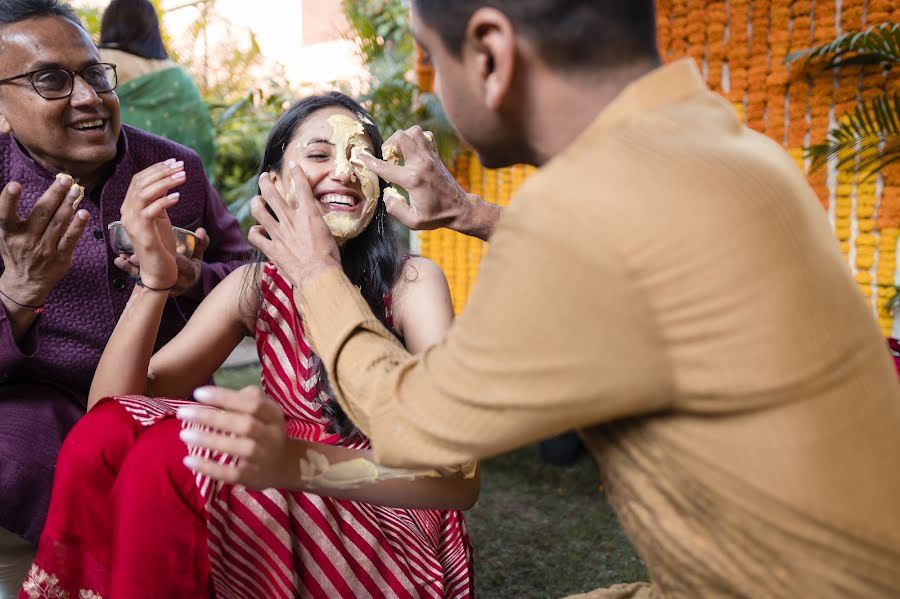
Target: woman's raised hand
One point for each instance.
(147, 223)
(296, 239)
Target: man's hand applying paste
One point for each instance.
(435, 198)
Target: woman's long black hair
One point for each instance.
(372, 260)
(132, 26)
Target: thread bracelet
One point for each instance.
(138, 281)
(35, 309)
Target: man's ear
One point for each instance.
(491, 42)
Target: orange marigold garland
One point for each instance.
(738, 51)
(824, 30)
(777, 83)
(663, 27)
(799, 81)
(696, 31)
(759, 65)
(875, 82)
(717, 25)
(679, 22)
(889, 232)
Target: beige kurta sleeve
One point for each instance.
(555, 336)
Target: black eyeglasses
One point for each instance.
(57, 83)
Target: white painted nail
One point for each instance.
(189, 436)
(204, 393)
(187, 413)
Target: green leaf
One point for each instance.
(868, 139)
(878, 44)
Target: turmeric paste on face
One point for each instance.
(349, 139)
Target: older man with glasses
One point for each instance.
(66, 163)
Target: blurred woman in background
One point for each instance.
(156, 94)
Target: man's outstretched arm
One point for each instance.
(551, 340)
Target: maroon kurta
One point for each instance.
(45, 381)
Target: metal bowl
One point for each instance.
(185, 241)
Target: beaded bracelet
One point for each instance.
(35, 309)
(138, 281)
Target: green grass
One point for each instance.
(237, 378)
(546, 531)
(539, 531)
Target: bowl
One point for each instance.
(185, 241)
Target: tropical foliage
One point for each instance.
(869, 138)
(223, 74)
(241, 131)
(385, 45)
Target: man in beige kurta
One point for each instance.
(668, 284)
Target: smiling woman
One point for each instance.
(281, 479)
(347, 201)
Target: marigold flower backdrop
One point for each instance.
(741, 46)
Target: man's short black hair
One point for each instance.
(13, 11)
(569, 34)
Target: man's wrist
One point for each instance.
(304, 275)
(21, 291)
(476, 218)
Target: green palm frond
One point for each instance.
(879, 44)
(893, 304)
(869, 138)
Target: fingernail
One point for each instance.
(264, 176)
(169, 162)
(176, 164)
(173, 196)
(83, 215)
(187, 413)
(204, 393)
(74, 192)
(189, 436)
(64, 180)
(179, 175)
(190, 462)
